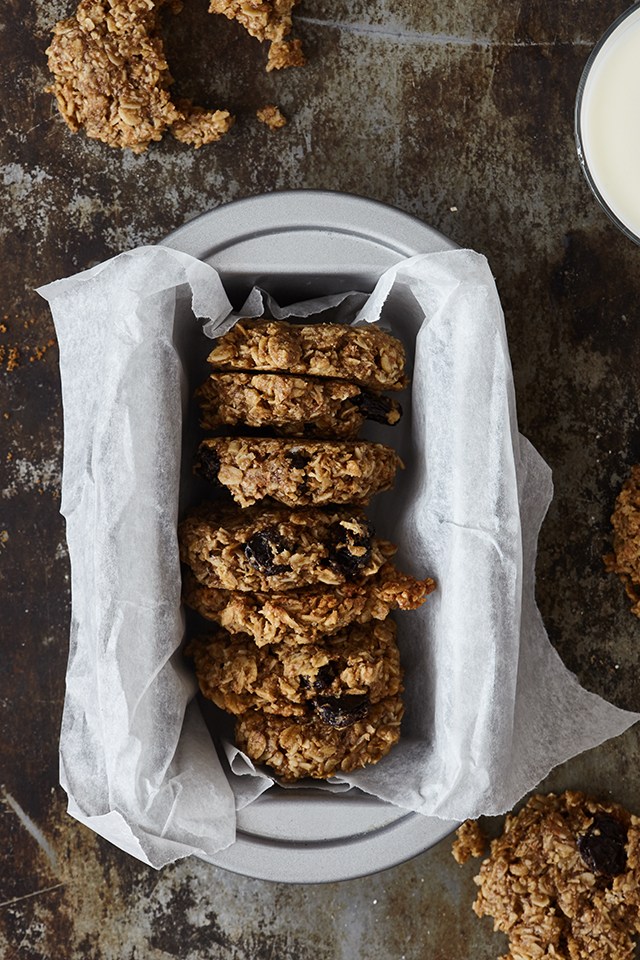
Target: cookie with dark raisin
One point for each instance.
(335, 679)
(324, 743)
(563, 879)
(297, 472)
(365, 354)
(279, 548)
(292, 406)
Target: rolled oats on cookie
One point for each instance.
(297, 472)
(292, 405)
(289, 680)
(308, 614)
(563, 880)
(279, 548)
(335, 740)
(364, 355)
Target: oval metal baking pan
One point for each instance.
(300, 244)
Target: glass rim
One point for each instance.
(593, 56)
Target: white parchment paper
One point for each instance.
(490, 706)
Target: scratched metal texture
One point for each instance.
(462, 114)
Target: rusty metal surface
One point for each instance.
(461, 114)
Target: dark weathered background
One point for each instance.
(462, 114)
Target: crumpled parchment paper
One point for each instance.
(490, 706)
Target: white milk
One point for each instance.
(610, 122)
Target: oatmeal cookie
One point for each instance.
(266, 20)
(364, 355)
(291, 405)
(238, 675)
(277, 548)
(111, 77)
(563, 880)
(297, 473)
(303, 616)
(625, 559)
(324, 745)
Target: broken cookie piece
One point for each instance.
(111, 77)
(199, 126)
(266, 20)
(625, 558)
(470, 842)
(285, 53)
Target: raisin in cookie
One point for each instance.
(329, 741)
(297, 473)
(278, 548)
(563, 880)
(292, 406)
(238, 675)
(364, 355)
(302, 616)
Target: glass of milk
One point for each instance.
(608, 122)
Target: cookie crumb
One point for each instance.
(271, 116)
(470, 842)
(40, 351)
(199, 126)
(13, 359)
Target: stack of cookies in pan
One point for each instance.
(289, 568)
